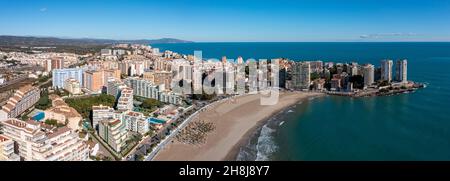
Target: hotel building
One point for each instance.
(401, 71)
(23, 99)
(36, 143)
(114, 133)
(72, 86)
(61, 75)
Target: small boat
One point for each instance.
(281, 123)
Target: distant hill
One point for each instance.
(51, 41)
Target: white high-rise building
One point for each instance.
(100, 113)
(114, 87)
(369, 74)
(147, 89)
(72, 86)
(38, 144)
(106, 52)
(135, 121)
(23, 99)
(7, 150)
(386, 70)
(114, 133)
(125, 101)
(61, 75)
(401, 71)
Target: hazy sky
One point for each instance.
(230, 20)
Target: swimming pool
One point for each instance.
(155, 121)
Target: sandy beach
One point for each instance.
(234, 121)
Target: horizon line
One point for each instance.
(244, 41)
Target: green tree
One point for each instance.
(151, 103)
(84, 105)
(44, 102)
(51, 122)
(315, 76)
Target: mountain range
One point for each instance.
(52, 41)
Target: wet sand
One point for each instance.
(235, 121)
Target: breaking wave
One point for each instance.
(266, 145)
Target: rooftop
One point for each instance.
(3, 138)
(58, 132)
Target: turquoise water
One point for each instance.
(412, 126)
(155, 121)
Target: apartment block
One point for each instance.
(114, 133)
(36, 142)
(23, 99)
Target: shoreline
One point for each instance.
(233, 131)
(256, 130)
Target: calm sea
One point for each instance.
(412, 126)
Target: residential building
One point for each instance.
(63, 113)
(72, 86)
(135, 121)
(114, 87)
(7, 149)
(124, 67)
(316, 66)
(114, 133)
(145, 88)
(170, 97)
(353, 69)
(335, 84)
(100, 113)
(319, 84)
(125, 101)
(282, 78)
(401, 71)
(159, 77)
(47, 64)
(301, 75)
(57, 63)
(369, 74)
(106, 52)
(109, 74)
(36, 143)
(61, 75)
(93, 80)
(386, 70)
(23, 99)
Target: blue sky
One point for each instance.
(230, 20)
